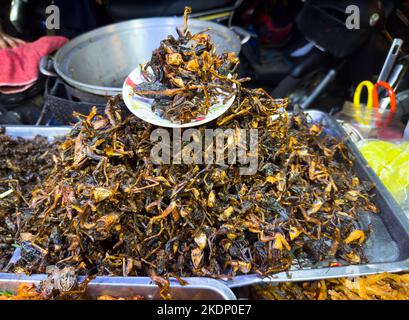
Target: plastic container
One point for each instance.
(367, 127)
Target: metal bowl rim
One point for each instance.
(75, 43)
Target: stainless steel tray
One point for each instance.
(124, 287)
(387, 248)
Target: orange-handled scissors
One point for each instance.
(372, 104)
(375, 97)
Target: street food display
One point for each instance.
(107, 208)
(95, 203)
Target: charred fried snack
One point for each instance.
(185, 76)
(386, 286)
(106, 208)
(23, 165)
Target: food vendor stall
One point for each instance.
(189, 183)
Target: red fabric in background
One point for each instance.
(19, 67)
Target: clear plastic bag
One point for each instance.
(367, 127)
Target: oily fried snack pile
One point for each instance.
(23, 165)
(386, 286)
(107, 209)
(187, 76)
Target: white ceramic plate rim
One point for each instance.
(141, 107)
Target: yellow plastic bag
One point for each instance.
(390, 161)
(379, 153)
(395, 176)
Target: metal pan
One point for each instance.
(387, 247)
(99, 61)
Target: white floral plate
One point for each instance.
(141, 106)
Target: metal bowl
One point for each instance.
(99, 61)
